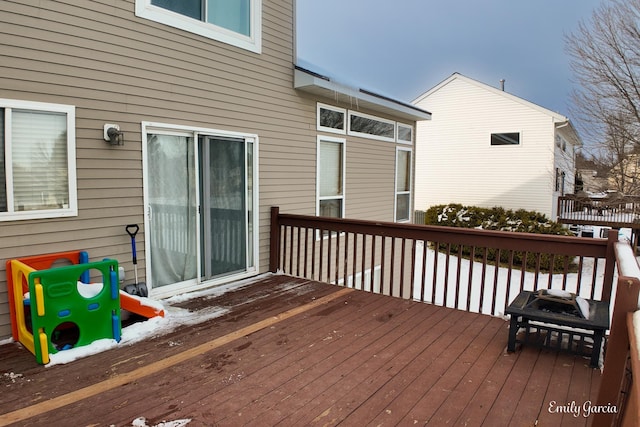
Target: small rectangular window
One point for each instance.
(372, 127)
(405, 133)
(331, 119)
(505, 138)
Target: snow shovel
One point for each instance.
(138, 288)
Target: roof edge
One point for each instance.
(557, 116)
(318, 84)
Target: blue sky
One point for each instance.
(402, 48)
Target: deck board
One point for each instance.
(476, 363)
(360, 359)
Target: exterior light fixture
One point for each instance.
(113, 135)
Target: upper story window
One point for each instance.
(561, 143)
(37, 160)
(371, 127)
(505, 138)
(331, 119)
(405, 133)
(340, 120)
(235, 22)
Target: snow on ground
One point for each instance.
(500, 280)
(174, 318)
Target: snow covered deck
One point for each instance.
(288, 351)
(615, 211)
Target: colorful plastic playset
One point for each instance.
(61, 301)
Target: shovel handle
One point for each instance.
(132, 230)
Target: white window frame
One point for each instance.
(395, 187)
(368, 135)
(405, 126)
(343, 141)
(70, 111)
(194, 131)
(342, 111)
(253, 43)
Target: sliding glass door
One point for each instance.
(172, 209)
(201, 199)
(224, 177)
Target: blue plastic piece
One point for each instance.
(115, 321)
(83, 258)
(115, 285)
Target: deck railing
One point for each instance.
(620, 211)
(472, 270)
(437, 264)
(619, 394)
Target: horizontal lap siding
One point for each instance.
(370, 179)
(456, 162)
(117, 68)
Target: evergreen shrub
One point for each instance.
(497, 218)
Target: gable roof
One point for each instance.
(559, 119)
(317, 84)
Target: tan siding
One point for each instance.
(118, 68)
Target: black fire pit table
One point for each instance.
(553, 312)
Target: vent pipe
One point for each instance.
(502, 84)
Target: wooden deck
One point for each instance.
(293, 352)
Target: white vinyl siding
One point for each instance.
(455, 162)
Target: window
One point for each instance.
(561, 143)
(403, 184)
(235, 22)
(331, 119)
(37, 166)
(505, 138)
(560, 180)
(330, 181)
(405, 133)
(372, 127)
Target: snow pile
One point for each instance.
(142, 422)
(174, 318)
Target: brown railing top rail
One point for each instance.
(502, 240)
(564, 245)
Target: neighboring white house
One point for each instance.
(486, 147)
